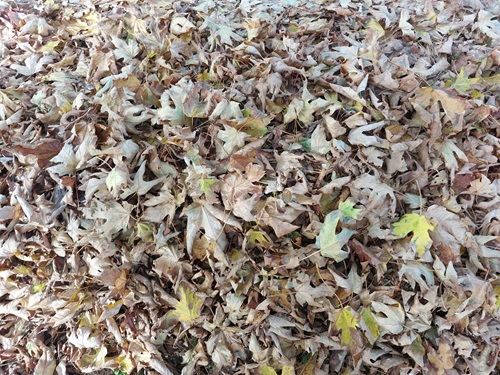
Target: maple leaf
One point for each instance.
(81, 338)
(420, 227)
(32, 65)
(369, 325)
(139, 186)
(346, 321)
(463, 83)
(126, 50)
(210, 218)
(188, 308)
(348, 211)
(232, 139)
(442, 359)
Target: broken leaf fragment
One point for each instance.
(188, 308)
(420, 227)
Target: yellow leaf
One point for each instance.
(256, 236)
(287, 370)
(344, 323)
(417, 224)
(189, 306)
(267, 370)
(369, 325)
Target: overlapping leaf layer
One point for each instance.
(252, 187)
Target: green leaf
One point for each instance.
(348, 211)
(417, 224)
(344, 323)
(256, 236)
(35, 288)
(330, 243)
(206, 184)
(369, 325)
(462, 83)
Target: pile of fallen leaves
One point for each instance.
(252, 187)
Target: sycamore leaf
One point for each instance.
(126, 50)
(255, 237)
(176, 95)
(389, 316)
(303, 109)
(181, 25)
(116, 178)
(417, 224)
(210, 218)
(232, 139)
(32, 65)
(267, 370)
(444, 358)
(369, 325)
(462, 83)
(348, 211)
(330, 243)
(71, 161)
(139, 186)
(189, 306)
(221, 31)
(117, 216)
(345, 321)
(82, 338)
(46, 364)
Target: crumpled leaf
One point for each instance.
(210, 218)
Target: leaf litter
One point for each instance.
(253, 187)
